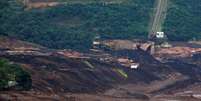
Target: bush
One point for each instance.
(13, 73)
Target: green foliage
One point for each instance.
(183, 20)
(3, 4)
(75, 26)
(8, 10)
(11, 72)
(3, 10)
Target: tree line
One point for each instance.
(75, 26)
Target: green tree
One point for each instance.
(183, 21)
(74, 26)
(9, 9)
(13, 73)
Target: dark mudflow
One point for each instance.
(187, 67)
(59, 74)
(74, 75)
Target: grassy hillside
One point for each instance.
(183, 20)
(74, 26)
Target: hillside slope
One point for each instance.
(76, 25)
(11, 43)
(55, 76)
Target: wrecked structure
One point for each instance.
(126, 44)
(128, 63)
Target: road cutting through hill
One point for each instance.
(158, 17)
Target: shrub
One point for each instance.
(11, 73)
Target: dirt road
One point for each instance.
(159, 16)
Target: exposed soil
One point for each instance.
(62, 78)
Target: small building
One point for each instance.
(134, 65)
(160, 35)
(96, 43)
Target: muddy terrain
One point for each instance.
(90, 77)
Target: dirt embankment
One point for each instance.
(11, 43)
(178, 50)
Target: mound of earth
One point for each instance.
(12, 43)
